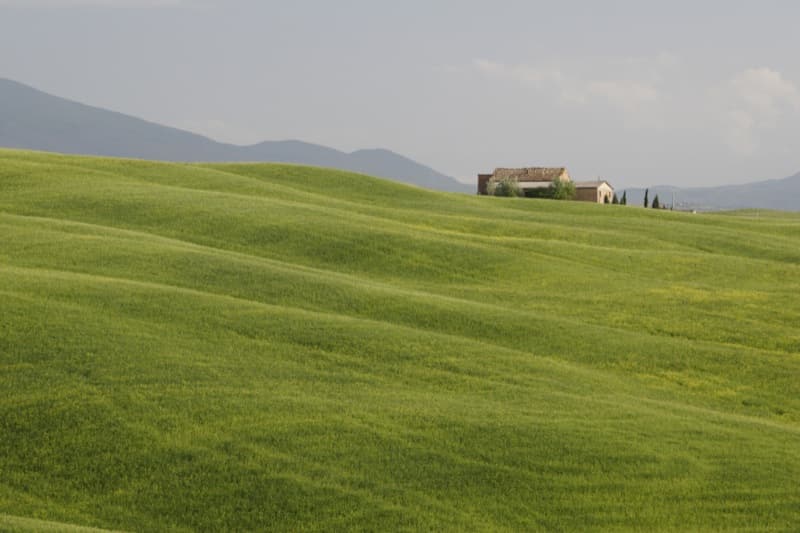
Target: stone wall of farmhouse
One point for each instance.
(483, 180)
(594, 194)
(586, 195)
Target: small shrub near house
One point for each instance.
(562, 190)
(507, 186)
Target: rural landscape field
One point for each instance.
(238, 347)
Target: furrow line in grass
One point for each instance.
(287, 266)
(111, 280)
(306, 313)
(180, 243)
(377, 500)
(19, 523)
(690, 221)
(734, 417)
(540, 362)
(555, 362)
(50, 273)
(373, 285)
(176, 240)
(360, 279)
(336, 277)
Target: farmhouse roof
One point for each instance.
(530, 173)
(591, 184)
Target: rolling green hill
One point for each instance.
(243, 347)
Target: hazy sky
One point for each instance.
(638, 92)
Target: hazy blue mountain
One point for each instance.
(32, 119)
(783, 194)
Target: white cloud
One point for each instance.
(740, 134)
(668, 60)
(629, 95)
(754, 102)
(765, 91)
(748, 112)
(534, 76)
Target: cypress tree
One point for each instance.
(656, 204)
(615, 200)
(646, 195)
(624, 200)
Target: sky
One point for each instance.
(637, 92)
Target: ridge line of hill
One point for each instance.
(437, 234)
(383, 287)
(485, 240)
(46, 122)
(360, 204)
(400, 224)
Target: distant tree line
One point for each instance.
(656, 203)
(616, 200)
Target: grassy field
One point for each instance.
(246, 347)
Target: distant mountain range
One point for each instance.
(31, 119)
(782, 194)
(34, 120)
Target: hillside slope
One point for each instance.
(242, 347)
(35, 120)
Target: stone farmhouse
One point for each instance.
(532, 180)
(599, 191)
(535, 181)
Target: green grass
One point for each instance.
(18, 524)
(246, 347)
